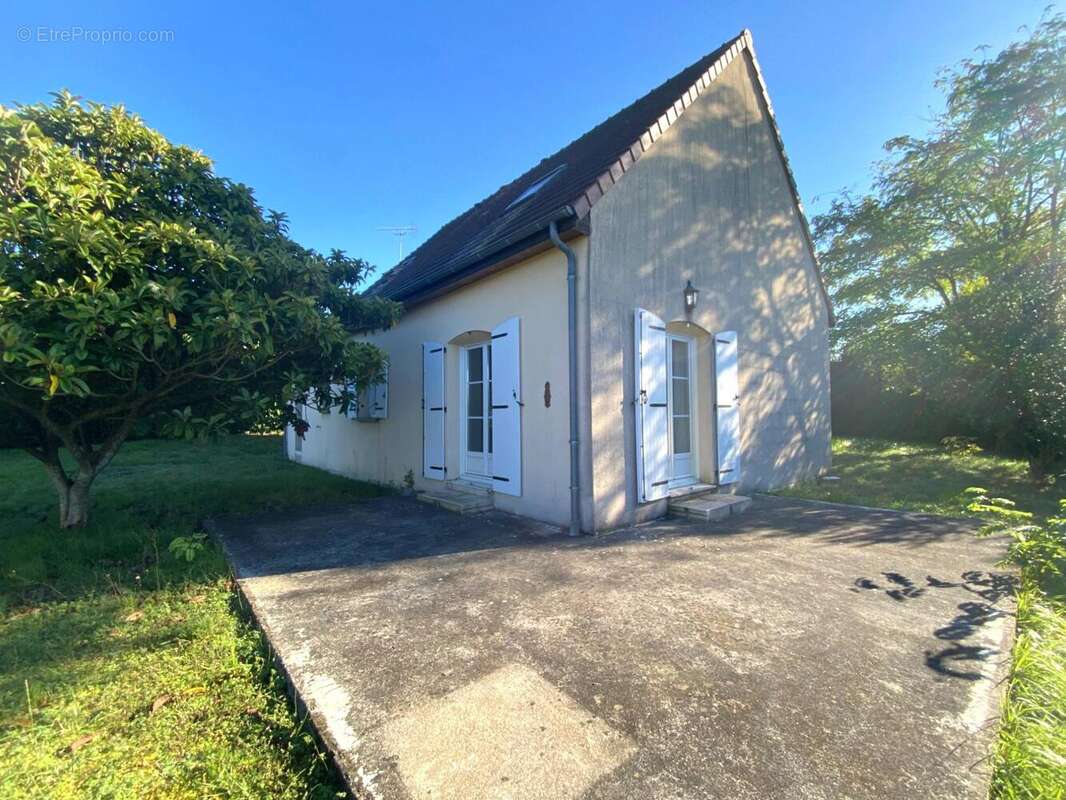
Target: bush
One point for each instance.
(1039, 549)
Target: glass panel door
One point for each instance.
(477, 412)
(682, 434)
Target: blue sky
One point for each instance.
(353, 116)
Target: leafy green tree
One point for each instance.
(136, 284)
(948, 278)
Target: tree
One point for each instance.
(136, 284)
(947, 278)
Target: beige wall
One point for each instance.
(535, 291)
(709, 202)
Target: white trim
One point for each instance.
(693, 410)
(479, 478)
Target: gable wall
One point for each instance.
(710, 203)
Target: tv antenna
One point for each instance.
(399, 231)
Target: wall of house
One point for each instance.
(710, 203)
(383, 451)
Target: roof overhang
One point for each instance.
(573, 217)
(521, 246)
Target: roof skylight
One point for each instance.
(535, 187)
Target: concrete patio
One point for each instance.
(797, 651)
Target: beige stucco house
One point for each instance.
(639, 315)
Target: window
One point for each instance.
(680, 401)
(477, 411)
(475, 400)
(535, 187)
(372, 402)
(680, 396)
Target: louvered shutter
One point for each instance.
(370, 403)
(652, 416)
(355, 408)
(433, 411)
(378, 398)
(727, 406)
(506, 431)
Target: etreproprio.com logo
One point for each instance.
(73, 34)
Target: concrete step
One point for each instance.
(460, 502)
(710, 506)
(692, 488)
(464, 487)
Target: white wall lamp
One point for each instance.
(692, 294)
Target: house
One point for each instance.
(641, 314)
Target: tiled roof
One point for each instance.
(578, 175)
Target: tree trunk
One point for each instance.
(59, 480)
(73, 493)
(77, 504)
(73, 496)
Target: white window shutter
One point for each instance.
(505, 368)
(652, 416)
(370, 403)
(354, 408)
(378, 398)
(297, 440)
(727, 406)
(433, 411)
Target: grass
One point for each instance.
(923, 477)
(128, 672)
(1030, 753)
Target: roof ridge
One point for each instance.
(583, 203)
(790, 175)
(466, 213)
(627, 158)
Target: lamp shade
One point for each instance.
(692, 295)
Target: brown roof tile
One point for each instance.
(586, 169)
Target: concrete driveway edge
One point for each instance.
(350, 774)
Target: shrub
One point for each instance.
(1039, 549)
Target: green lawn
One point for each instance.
(127, 672)
(1030, 757)
(923, 477)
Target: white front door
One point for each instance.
(681, 401)
(476, 420)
